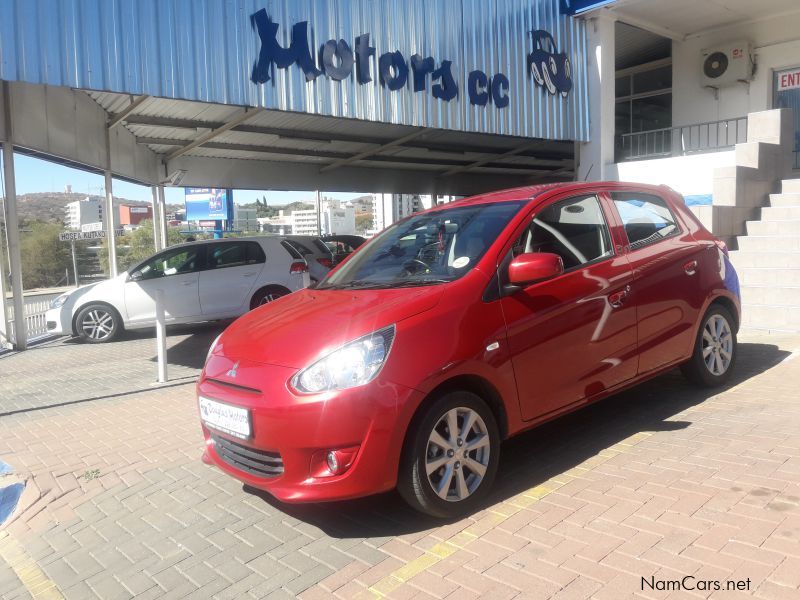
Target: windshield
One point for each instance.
(429, 248)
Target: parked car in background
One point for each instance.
(202, 281)
(318, 256)
(461, 326)
(343, 246)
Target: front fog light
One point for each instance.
(333, 462)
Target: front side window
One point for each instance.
(429, 248)
(172, 262)
(647, 218)
(574, 228)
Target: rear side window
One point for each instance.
(234, 254)
(574, 228)
(647, 218)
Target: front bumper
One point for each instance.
(58, 322)
(295, 430)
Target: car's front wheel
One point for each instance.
(451, 456)
(98, 323)
(715, 349)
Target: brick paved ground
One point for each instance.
(662, 481)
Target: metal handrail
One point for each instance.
(680, 141)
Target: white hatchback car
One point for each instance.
(202, 281)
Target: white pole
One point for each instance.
(74, 264)
(159, 245)
(319, 214)
(161, 337)
(12, 226)
(162, 217)
(4, 325)
(110, 220)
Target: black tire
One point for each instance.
(268, 294)
(98, 324)
(696, 368)
(414, 484)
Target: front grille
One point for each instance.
(256, 462)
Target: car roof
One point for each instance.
(533, 191)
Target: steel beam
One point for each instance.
(489, 158)
(119, 117)
(241, 116)
(12, 225)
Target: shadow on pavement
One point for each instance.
(531, 458)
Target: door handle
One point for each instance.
(248, 274)
(690, 268)
(187, 283)
(618, 298)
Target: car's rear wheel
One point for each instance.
(715, 349)
(267, 295)
(451, 456)
(98, 323)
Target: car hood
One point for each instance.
(299, 328)
(95, 289)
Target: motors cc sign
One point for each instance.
(547, 68)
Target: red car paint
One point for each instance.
(563, 343)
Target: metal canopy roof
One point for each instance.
(181, 128)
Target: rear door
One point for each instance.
(665, 261)
(573, 336)
(228, 281)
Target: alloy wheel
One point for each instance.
(98, 324)
(717, 345)
(457, 454)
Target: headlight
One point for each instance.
(59, 302)
(352, 365)
(212, 346)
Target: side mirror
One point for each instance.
(135, 276)
(535, 266)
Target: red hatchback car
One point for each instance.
(461, 326)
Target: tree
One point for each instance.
(45, 259)
(363, 222)
(137, 245)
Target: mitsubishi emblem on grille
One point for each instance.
(232, 371)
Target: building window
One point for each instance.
(644, 103)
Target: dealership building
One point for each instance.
(426, 97)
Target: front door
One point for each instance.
(573, 336)
(177, 272)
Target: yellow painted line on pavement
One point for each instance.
(39, 586)
(496, 515)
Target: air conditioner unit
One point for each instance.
(727, 64)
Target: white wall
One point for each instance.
(776, 44)
(687, 175)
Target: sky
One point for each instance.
(36, 175)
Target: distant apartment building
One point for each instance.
(390, 208)
(245, 219)
(281, 224)
(83, 212)
(338, 218)
(304, 222)
(133, 215)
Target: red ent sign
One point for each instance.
(789, 80)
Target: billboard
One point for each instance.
(204, 204)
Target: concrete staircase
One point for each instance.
(768, 264)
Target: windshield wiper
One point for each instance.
(418, 282)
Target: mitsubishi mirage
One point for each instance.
(459, 327)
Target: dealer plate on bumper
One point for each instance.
(233, 420)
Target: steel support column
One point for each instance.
(110, 221)
(157, 241)
(162, 217)
(12, 225)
